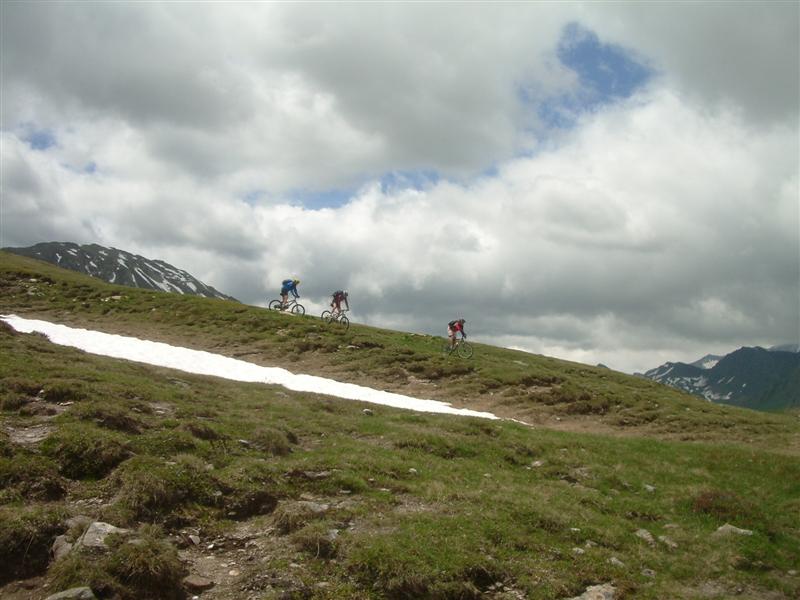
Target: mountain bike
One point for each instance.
(338, 317)
(462, 348)
(293, 306)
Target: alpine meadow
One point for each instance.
(131, 481)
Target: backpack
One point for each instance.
(287, 282)
(452, 324)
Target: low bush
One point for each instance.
(29, 477)
(150, 488)
(83, 451)
(26, 535)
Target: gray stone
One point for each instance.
(78, 521)
(96, 534)
(646, 536)
(78, 593)
(195, 583)
(667, 542)
(729, 529)
(616, 562)
(597, 592)
(314, 507)
(61, 547)
(648, 573)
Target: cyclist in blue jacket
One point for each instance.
(289, 285)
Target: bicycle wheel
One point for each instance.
(298, 309)
(345, 322)
(446, 349)
(326, 314)
(275, 305)
(464, 350)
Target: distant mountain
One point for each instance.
(120, 267)
(748, 377)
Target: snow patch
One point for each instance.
(206, 363)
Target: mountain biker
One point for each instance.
(289, 285)
(454, 327)
(336, 302)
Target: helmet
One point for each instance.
(297, 282)
(462, 321)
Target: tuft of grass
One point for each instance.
(151, 489)
(273, 442)
(143, 566)
(147, 566)
(111, 416)
(317, 539)
(28, 477)
(84, 451)
(26, 535)
(724, 506)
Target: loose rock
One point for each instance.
(61, 547)
(646, 536)
(729, 529)
(667, 542)
(597, 592)
(195, 583)
(78, 593)
(96, 534)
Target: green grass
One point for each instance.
(419, 505)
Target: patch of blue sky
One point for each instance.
(606, 73)
(39, 139)
(319, 199)
(395, 181)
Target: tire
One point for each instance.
(446, 349)
(326, 314)
(298, 309)
(275, 305)
(464, 350)
(345, 322)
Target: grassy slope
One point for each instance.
(489, 501)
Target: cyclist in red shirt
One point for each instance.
(454, 327)
(336, 303)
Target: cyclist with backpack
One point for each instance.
(289, 285)
(336, 302)
(454, 327)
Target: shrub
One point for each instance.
(317, 539)
(272, 441)
(63, 391)
(83, 451)
(29, 387)
(12, 401)
(148, 566)
(28, 477)
(724, 506)
(111, 417)
(150, 489)
(26, 535)
(145, 567)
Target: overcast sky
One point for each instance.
(609, 183)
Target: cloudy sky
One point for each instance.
(602, 182)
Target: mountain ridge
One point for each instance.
(752, 377)
(119, 267)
